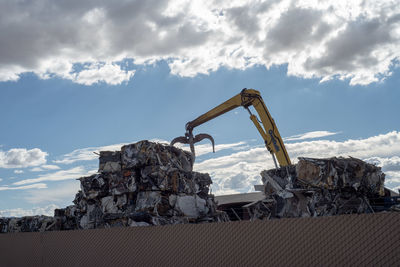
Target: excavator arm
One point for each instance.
(268, 130)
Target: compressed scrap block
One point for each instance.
(147, 153)
(319, 187)
(336, 173)
(110, 161)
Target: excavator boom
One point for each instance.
(268, 130)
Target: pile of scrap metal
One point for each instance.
(319, 187)
(144, 184)
(27, 224)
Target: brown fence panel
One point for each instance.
(347, 240)
(20, 249)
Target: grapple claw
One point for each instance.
(202, 136)
(190, 140)
(180, 139)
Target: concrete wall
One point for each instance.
(348, 240)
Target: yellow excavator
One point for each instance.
(268, 130)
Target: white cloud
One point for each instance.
(239, 171)
(73, 173)
(21, 158)
(388, 163)
(382, 145)
(18, 171)
(50, 167)
(44, 168)
(88, 42)
(309, 135)
(1, 179)
(31, 186)
(108, 73)
(47, 210)
(85, 154)
(393, 177)
(63, 193)
(203, 149)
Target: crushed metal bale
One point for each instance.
(319, 187)
(145, 183)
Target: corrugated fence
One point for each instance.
(347, 240)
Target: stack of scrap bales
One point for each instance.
(320, 187)
(143, 184)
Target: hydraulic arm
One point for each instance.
(267, 128)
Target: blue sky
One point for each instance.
(329, 77)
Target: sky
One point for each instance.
(78, 77)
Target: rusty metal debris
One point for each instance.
(319, 187)
(145, 183)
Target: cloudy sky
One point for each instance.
(77, 77)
